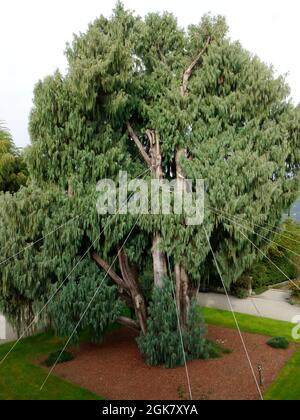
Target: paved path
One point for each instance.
(6, 331)
(271, 304)
(2, 328)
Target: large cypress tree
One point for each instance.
(138, 94)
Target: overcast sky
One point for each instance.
(33, 34)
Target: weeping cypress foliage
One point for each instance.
(13, 173)
(79, 297)
(163, 343)
(240, 131)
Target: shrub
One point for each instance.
(216, 350)
(60, 357)
(278, 343)
(162, 343)
(295, 291)
(241, 287)
(78, 297)
(241, 293)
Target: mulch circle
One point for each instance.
(116, 369)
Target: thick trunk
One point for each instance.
(134, 290)
(158, 257)
(182, 294)
(154, 162)
(182, 297)
(159, 261)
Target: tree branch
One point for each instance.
(103, 264)
(127, 322)
(139, 145)
(187, 74)
(133, 286)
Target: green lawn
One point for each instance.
(287, 385)
(20, 379)
(249, 323)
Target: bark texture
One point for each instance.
(182, 282)
(154, 162)
(128, 289)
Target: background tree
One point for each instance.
(13, 173)
(146, 95)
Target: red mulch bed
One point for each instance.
(116, 370)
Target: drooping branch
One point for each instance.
(123, 291)
(128, 322)
(105, 266)
(187, 74)
(139, 145)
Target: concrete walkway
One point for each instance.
(271, 304)
(6, 331)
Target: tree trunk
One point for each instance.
(159, 261)
(154, 162)
(128, 287)
(159, 258)
(135, 292)
(182, 295)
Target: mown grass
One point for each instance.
(287, 385)
(20, 379)
(249, 323)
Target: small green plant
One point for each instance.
(295, 294)
(242, 294)
(216, 350)
(58, 357)
(278, 343)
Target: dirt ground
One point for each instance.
(116, 370)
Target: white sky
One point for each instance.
(33, 34)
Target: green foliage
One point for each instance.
(241, 288)
(286, 387)
(195, 344)
(282, 253)
(58, 357)
(13, 172)
(162, 344)
(21, 378)
(241, 132)
(80, 297)
(216, 350)
(278, 343)
(249, 323)
(42, 261)
(295, 293)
